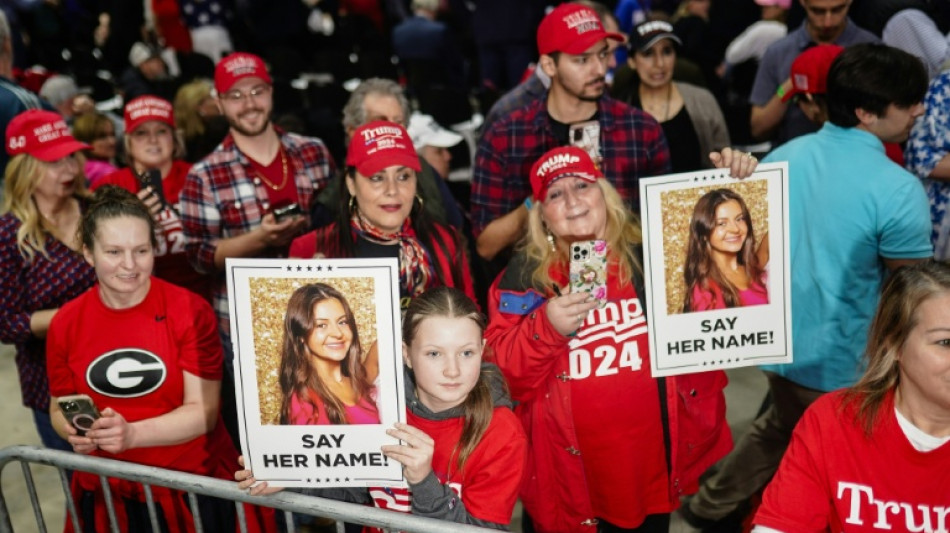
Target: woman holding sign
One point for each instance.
(462, 449)
(612, 448)
(881, 443)
(322, 375)
(722, 265)
(382, 216)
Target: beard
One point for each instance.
(235, 124)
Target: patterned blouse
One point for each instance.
(26, 287)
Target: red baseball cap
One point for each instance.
(236, 67)
(381, 144)
(146, 108)
(560, 163)
(572, 29)
(809, 71)
(41, 134)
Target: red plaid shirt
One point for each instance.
(223, 199)
(631, 141)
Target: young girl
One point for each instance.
(322, 375)
(463, 449)
(722, 266)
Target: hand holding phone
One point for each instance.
(80, 412)
(589, 269)
(153, 178)
(286, 211)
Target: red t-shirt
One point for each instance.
(171, 263)
(835, 478)
(488, 485)
(616, 407)
(280, 173)
(133, 361)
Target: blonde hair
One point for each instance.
(22, 174)
(623, 231)
(187, 100)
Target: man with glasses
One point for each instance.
(251, 196)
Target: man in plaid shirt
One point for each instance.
(229, 197)
(574, 53)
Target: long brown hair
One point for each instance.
(700, 268)
(448, 302)
(896, 316)
(297, 375)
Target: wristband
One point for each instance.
(780, 92)
(528, 203)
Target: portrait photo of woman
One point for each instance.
(322, 374)
(724, 267)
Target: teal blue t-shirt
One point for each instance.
(850, 206)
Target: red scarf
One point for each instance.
(415, 267)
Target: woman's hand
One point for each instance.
(82, 445)
(740, 164)
(567, 313)
(151, 200)
(415, 455)
(112, 432)
(246, 481)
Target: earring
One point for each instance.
(352, 204)
(421, 201)
(550, 238)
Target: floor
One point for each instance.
(744, 395)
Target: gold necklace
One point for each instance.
(283, 172)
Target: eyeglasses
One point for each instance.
(238, 96)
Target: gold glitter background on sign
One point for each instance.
(269, 297)
(677, 209)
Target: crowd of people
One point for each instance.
(116, 222)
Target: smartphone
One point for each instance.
(153, 178)
(80, 411)
(290, 210)
(586, 136)
(589, 269)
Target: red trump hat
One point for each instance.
(561, 163)
(809, 73)
(146, 108)
(381, 144)
(41, 134)
(572, 29)
(236, 67)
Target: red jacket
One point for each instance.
(534, 358)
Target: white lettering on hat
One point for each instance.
(582, 21)
(381, 131)
(800, 81)
(655, 25)
(557, 161)
(240, 65)
(148, 111)
(17, 142)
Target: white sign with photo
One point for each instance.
(318, 369)
(716, 269)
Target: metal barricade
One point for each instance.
(287, 501)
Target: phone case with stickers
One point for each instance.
(589, 269)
